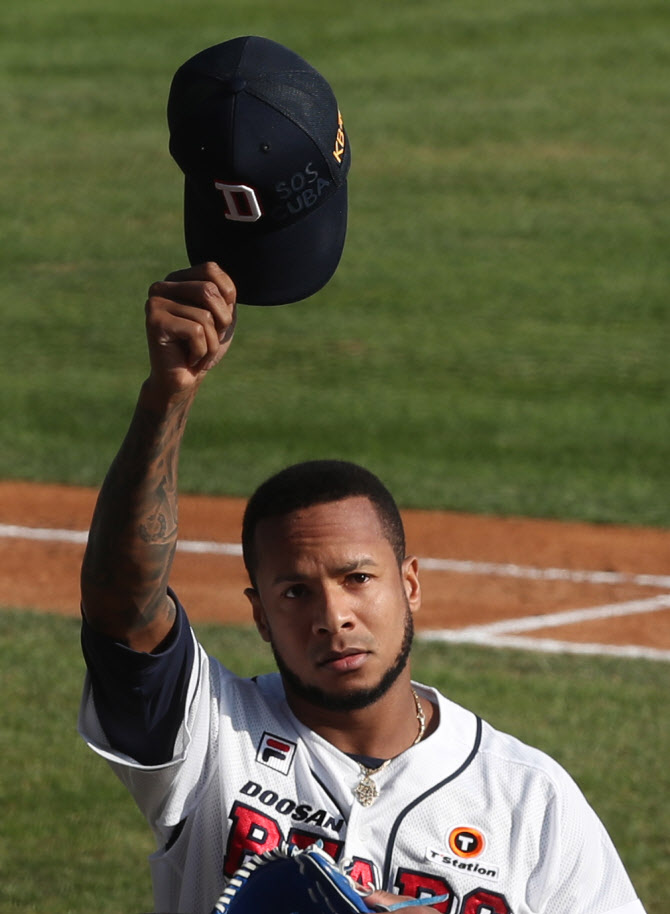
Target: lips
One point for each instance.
(344, 661)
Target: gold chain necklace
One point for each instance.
(366, 791)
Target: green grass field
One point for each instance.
(495, 340)
(496, 337)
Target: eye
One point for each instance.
(358, 577)
(295, 591)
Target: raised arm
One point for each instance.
(190, 321)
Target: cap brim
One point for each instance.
(276, 268)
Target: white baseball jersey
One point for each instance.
(469, 812)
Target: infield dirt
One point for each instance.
(43, 574)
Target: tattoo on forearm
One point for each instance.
(134, 529)
(154, 530)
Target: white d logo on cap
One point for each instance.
(241, 202)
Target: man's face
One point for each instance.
(333, 603)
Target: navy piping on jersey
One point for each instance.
(396, 825)
(368, 761)
(140, 698)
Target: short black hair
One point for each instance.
(318, 482)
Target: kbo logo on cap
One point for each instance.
(340, 140)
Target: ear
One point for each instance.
(410, 579)
(260, 618)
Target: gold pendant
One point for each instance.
(366, 791)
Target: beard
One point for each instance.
(354, 699)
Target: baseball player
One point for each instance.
(340, 744)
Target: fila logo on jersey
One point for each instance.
(466, 842)
(276, 752)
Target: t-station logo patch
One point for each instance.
(466, 842)
(276, 752)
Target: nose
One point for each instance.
(332, 611)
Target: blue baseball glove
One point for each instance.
(289, 880)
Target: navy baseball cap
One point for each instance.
(259, 136)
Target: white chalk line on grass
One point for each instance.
(571, 616)
(509, 632)
(80, 537)
(531, 573)
(505, 633)
(550, 645)
(46, 534)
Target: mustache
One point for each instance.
(355, 699)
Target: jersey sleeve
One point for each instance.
(168, 790)
(139, 698)
(580, 870)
